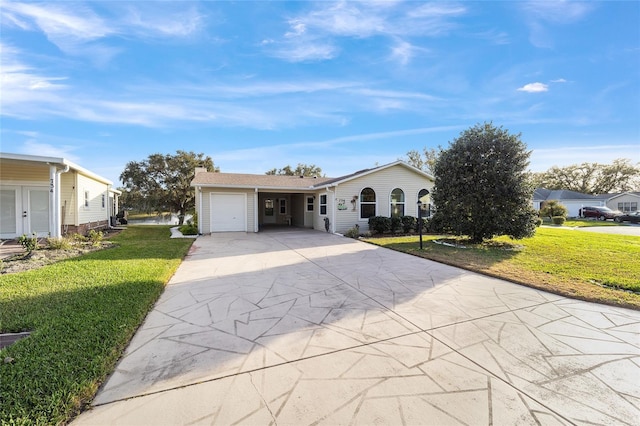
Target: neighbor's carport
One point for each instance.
(305, 327)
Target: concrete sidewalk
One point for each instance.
(303, 327)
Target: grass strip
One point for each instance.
(82, 312)
(590, 266)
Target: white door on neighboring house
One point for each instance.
(24, 210)
(10, 213)
(36, 204)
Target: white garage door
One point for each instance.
(228, 212)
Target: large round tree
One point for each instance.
(482, 189)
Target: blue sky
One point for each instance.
(342, 85)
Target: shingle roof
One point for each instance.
(560, 194)
(241, 180)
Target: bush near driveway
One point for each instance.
(600, 268)
(82, 313)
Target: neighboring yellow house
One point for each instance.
(52, 197)
(245, 202)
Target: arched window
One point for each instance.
(423, 197)
(367, 203)
(397, 203)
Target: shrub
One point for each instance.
(95, 237)
(28, 243)
(58, 243)
(539, 222)
(353, 232)
(379, 224)
(409, 223)
(78, 238)
(188, 229)
(558, 220)
(553, 208)
(395, 224)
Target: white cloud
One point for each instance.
(559, 80)
(560, 12)
(32, 147)
(534, 88)
(64, 26)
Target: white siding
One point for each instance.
(624, 198)
(204, 217)
(382, 182)
(94, 212)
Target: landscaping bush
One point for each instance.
(29, 244)
(409, 224)
(189, 229)
(558, 220)
(95, 237)
(380, 224)
(395, 224)
(539, 222)
(353, 232)
(59, 243)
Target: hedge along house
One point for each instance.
(52, 196)
(227, 202)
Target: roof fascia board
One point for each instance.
(374, 170)
(258, 187)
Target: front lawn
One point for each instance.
(82, 312)
(583, 223)
(596, 267)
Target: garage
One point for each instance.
(228, 212)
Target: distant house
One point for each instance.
(246, 202)
(51, 197)
(624, 201)
(572, 200)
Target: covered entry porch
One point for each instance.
(285, 209)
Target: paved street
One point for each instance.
(303, 327)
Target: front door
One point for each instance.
(268, 211)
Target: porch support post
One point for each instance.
(54, 203)
(256, 209)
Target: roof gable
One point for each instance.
(560, 194)
(240, 180)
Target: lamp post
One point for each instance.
(420, 221)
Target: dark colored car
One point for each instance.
(633, 217)
(599, 212)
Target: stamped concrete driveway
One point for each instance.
(304, 327)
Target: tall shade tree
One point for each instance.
(424, 160)
(481, 185)
(309, 170)
(163, 182)
(591, 178)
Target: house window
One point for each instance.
(283, 205)
(104, 201)
(628, 206)
(367, 203)
(86, 199)
(423, 197)
(323, 204)
(397, 203)
(309, 204)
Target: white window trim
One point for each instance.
(403, 203)
(375, 203)
(326, 204)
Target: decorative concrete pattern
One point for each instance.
(304, 327)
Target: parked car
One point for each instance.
(602, 213)
(633, 217)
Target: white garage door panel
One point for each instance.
(228, 212)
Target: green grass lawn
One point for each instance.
(82, 313)
(597, 267)
(583, 223)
